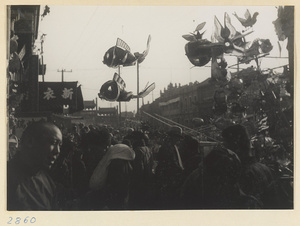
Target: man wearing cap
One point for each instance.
(169, 172)
(12, 146)
(29, 185)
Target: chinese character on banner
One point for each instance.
(49, 94)
(67, 93)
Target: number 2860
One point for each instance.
(19, 220)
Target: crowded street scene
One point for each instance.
(186, 112)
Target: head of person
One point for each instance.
(12, 145)
(175, 134)
(127, 142)
(190, 146)
(129, 131)
(236, 138)
(40, 143)
(222, 170)
(99, 139)
(137, 139)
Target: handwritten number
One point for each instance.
(25, 221)
(18, 219)
(32, 220)
(10, 220)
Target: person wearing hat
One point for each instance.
(170, 148)
(13, 144)
(169, 171)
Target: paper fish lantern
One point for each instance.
(120, 55)
(199, 51)
(114, 90)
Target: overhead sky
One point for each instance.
(77, 38)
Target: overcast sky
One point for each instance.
(78, 37)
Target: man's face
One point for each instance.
(48, 148)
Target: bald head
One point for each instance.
(41, 141)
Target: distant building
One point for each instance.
(127, 115)
(89, 105)
(183, 103)
(91, 114)
(108, 116)
(23, 63)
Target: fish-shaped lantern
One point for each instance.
(199, 51)
(120, 54)
(114, 90)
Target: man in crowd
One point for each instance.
(142, 172)
(256, 178)
(29, 185)
(169, 171)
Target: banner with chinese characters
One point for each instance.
(57, 96)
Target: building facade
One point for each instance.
(182, 104)
(23, 63)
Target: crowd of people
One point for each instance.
(89, 167)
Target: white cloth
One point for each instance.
(118, 151)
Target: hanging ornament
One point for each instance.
(199, 50)
(120, 55)
(114, 90)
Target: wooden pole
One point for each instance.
(138, 88)
(120, 117)
(62, 73)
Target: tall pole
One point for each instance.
(138, 88)
(43, 72)
(62, 73)
(96, 106)
(42, 51)
(120, 117)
